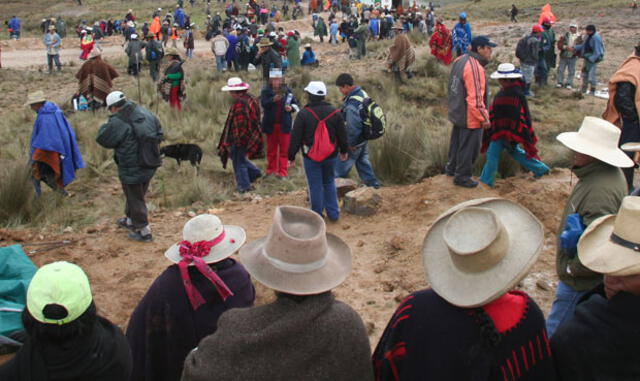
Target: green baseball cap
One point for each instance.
(59, 283)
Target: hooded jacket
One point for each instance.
(468, 91)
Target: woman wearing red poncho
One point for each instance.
(440, 43)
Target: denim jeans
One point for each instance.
(221, 63)
(570, 65)
(542, 71)
(51, 58)
(494, 151)
(590, 74)
(322, 187)
(564, 306)
(190, 53)
(245, 171)
(359, 157)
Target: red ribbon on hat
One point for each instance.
(193, 253)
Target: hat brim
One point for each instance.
(34, 101)
(465, 289)
(236, 88)
(235, 237)
(598, 253)
(336, 269)
(613, 156)
(497, 75)
(632, 147)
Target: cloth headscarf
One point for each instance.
(192, 252)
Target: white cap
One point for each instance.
(115, 97)
(272, 34)
(316, 88)
(134, 36)
(307, 45)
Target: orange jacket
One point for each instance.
(468, 92)
(174, 33)
(155, 26)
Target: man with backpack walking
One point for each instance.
(154, 52)
(320, 132)
(353, 110)
(134, 133)
(528, 51)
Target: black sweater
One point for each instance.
(304, 129)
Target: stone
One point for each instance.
(191, 213)
(363, 201)
(68, 229)
(344, 186)
(397, 243)
(543, 285)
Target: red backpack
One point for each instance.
(322, 146)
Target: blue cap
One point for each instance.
(482, 41)
(463, 15)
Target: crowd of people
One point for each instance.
(197, 321)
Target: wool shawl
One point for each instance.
(242, 128)
(600, 342)
(629, 71)
(429, 338)
(440, 44)
(96, 79)
(511, 120)
(401, 53)
(164, 328)
(314, 338)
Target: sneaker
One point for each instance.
(122, 222)
(466, 183)
(137, 236)
(569, 87)
(559, 85)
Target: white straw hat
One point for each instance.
(506, 71)
(298, 256)
(599, 139)
(611, 244)
(208, 227)
(478, 250)
(235, 84)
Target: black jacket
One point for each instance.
(625, 103)
(269, 60)
(601, 341)
(304, 129)
(268, 104)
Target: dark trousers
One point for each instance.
(463, 151)
(244, 170)
(51, 58)
(135, 207)
(154, 68)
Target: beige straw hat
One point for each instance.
(235, 84)
(208, 227)
(611, 244)
(298, 256)
(35, 97)
(597, 138)
(478, 250)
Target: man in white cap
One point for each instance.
(600, 189)
(134, 52)
(568, 57)
(52, 42)
(134, 134)
(601, 341)
(305, 334)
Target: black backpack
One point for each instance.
(521, 48)
(373, 120)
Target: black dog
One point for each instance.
(180, 152)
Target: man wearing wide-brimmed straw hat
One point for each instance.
(401, 54)
(471, 325)
(52, 42)
(601, 341)
(267, 57)
(305, 334)
(600, 189)
(183, 304)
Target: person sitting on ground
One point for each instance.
(511, 127)
(183, 304)
(601, 186)
(54, 152)
(600, 341)
(241, 138)
(66, 338)
(320, 156)
(401, 54)
(95, 80)
(471, 325)
(309, 57)
(305, 334)
(440, 43)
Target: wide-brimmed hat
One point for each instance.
(506, 71)
(235, 84)
(597, 138)
(264, 42)
(35, 97)
(227, 239)
(275, 73)
(51, 27)
(173, 52)
(298, 256)
(611, 244)
(631, 147)
(480, 249)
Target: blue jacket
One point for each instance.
(462, 36)
(333, 29)
(592, 49)
(52, 132)
(269, 110)
(351, 109)
(14, 24)
(231, 50)
(179, 17)
(374, 27)
(308, 58)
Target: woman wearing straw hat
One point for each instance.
(174, 80)
(183, 304)
(470, 325)
(305, 334)
(600, 342)
(600, 189)
(511, 127)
